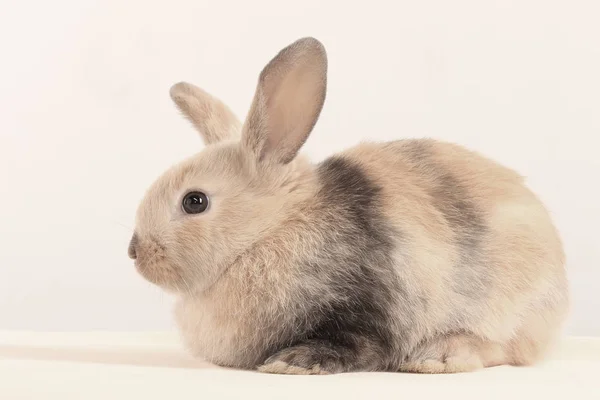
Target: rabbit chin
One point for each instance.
(163, 274)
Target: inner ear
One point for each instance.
(288, 101)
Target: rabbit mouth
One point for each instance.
(152, 264)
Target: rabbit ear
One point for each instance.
(288, 100)
(213, 119)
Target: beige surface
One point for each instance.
(153, 366)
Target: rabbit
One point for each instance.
(413, 255)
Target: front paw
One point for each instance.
(299, 360)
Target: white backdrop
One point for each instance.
(86, 123)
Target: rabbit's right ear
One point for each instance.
(288, 100)
(213, 119)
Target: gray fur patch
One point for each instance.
(353, 331)
(467, 221)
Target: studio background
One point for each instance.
(86, 123)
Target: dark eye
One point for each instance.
(194, 203)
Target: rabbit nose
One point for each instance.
(132, 250)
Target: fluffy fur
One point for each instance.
(414, 255)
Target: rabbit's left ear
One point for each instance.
(287, 103)
(213, 119)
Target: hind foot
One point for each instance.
(453, 354)
(449, 365)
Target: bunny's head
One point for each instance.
(205, 212)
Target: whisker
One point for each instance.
(124, 226)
